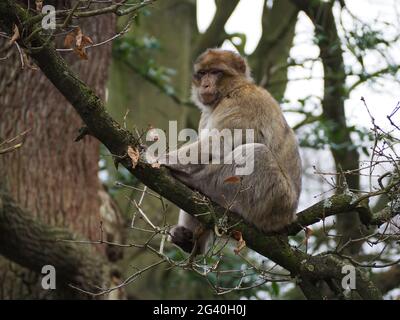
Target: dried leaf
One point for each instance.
(39, 5)
(233, 179)
(237, 235)
(78, 40)
(78, 37)
(15, 35)
(240, 246)
(86, 40)
(134, 155)
(69, 40)
(28, 62)
(81, 53)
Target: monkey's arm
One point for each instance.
(231, 123)
(189, 158)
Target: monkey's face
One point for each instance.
(216, 72)
(206, 83)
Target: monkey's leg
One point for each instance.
(262, 196)
(182, 233)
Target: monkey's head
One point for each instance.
(216, 72)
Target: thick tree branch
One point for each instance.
(269, 60)
(215, 34)
(307, 269)
(339, 204)
(118, 9)
(388, 280)
(33, 244)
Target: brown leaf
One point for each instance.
(240, 246)
(39, 5)
(237, 235)
(15, 35)
(28, 62)
(78, 40)
(69, 40)
(233, 179)
(86, 40)
(78, 37)
(134, 155)
(81, 52)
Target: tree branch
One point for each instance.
(269, 60)
(117, 9)
(339, 204)
(215, 34)
(388, 280)
(33, 244)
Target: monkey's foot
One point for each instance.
(237, 235)
(183, 238)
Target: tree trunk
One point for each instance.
(51, 175)
(269, 61)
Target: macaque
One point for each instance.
(267, 195)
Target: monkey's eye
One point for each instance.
(200, 74)
(216, 72)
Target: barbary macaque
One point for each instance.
(228, 98)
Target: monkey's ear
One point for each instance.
(243, 67)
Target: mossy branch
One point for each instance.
(34, 244)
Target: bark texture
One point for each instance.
(51, 175)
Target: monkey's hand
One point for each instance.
(171, 161)
(168, 160)
(160, 161)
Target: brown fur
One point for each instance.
(273, 189)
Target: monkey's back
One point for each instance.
(251, 107)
